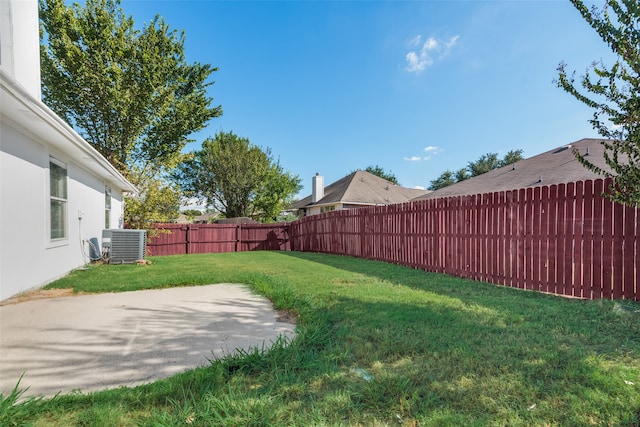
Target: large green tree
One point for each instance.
(445, 179)
(485, 163)
(461, 175)
(129, 92)
(511, 157)
(614, 94)
(490, 161)
(158, 202)
(237, 178)
(379, 171)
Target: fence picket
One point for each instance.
(528, 238)
(494, 235)
(597, 239)
(510, 239)
(629, 252)
(538, 233)
(521, 232)
(567, 270)
(607, 246)
(578, 242)
(618, 251)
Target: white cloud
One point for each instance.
(452, 41)
(432, 149)
(419, 187)
(416, 64)
(413, 159)
(430, 44)
(432, 49)
(415, 41)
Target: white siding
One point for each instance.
(30, 134)
(19, 42)
(22, 221)
(315, 210)
(28, 257)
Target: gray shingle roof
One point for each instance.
(552, 167)
(361, 187)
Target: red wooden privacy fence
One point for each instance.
(215, 238)
(564, 239)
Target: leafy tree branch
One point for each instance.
(129, 92)
(614, 94)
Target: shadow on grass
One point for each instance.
(614, 322)
(432, 362)
(418, 348)
(495, 348)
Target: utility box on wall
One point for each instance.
(124, 246)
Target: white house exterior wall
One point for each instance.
(30, 135)
(315, 210)
(19, 42)
(29, 259)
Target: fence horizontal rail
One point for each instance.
(177, 239)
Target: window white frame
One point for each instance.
(107, 207)
(58, 201)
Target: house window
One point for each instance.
(107, 207)
(58, 199)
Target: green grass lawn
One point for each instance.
(377, 344)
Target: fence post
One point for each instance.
(187, 238)
(363, 233)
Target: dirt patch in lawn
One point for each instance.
(287, 316)
(39, 294)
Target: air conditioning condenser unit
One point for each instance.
(124, 246)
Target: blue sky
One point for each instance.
(416, 87)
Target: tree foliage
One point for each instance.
(461, 175)
(158, 202)
(511, 157)
(379, 171)
(128, 92)
(485, 163)
(191, 213)
(275, 192)
(614, 94)
(445, 179)
(238, 179)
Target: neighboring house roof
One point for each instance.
(206, 218)
(552, 167)
(19, 107)
(237, 220)
(198, 219)
(361, 188)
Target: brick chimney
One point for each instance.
(317, 188)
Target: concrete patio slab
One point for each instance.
(98, 341)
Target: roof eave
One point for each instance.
(19, 107)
